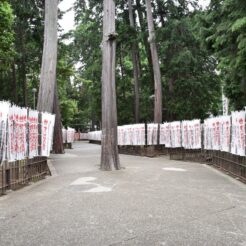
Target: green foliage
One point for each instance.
(225, 33)
(69, 109)
(239, 24)
(192, 45)
(196, 87)
(21, 40)
(191, 87)
(7, 35)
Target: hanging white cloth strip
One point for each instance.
(96, 135)
(152, 132)
(33, 133)
(238, 133)
(191, 134)
(64, 135)
(4, 109)
(70, 135)
(176, 134)
(131, 134)
(165, 134)
(17, 133)
(47, 125)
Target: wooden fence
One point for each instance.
(233, 165)
(14, 175)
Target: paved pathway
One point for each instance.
(150, 202)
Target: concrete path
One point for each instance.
(150, 202)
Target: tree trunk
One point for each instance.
(15, 96)
(145, 37)
(49, 59)
(22, 64)
(156, 65)
(25, 91)
(23, 78)
(136, 68)
(109, 154)
(122, 70)
(58, 138)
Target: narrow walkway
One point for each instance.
(150, 202)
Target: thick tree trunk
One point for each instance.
(156, 65)
(58, 138)
(136, 68)
(109, 154)
(49, 60)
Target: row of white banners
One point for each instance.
(68, 135)
(19, 133)
(225, 133)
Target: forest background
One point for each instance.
(201, 51)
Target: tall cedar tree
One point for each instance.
(49, 59)
(48, 96)
(109, 154)
(156, 65)
(136, 67)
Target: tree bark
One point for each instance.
(145, 37)
(22, 65)
(49, 59)
(15, 96)
(58, 147)
(23, 78)
(122, 70)
(136, 67)
(156, 65)
(109, 154)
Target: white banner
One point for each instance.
(139, 136)
(33, 133)
(17, 130)
(83, 136)
(212, 133)
(47, 123)
(191, 134)
(176, 134)
(225, 133)
(152, 134)
(21, 126)
(64, 135)
(70, 135)
(131, 135)
(207, 138)
(128, 137)
(238, 133)
(11, 135)
(4, 110)
(217, 133)
(96, 136)
(165, 134)
(121, 135)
